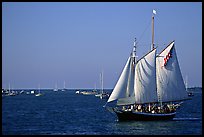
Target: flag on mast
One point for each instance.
(154, 12)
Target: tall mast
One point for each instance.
(134, 49)
(154, 13)
(101, 77)
(186, 83)
(9, 88)
(64, 84)
(39, 88)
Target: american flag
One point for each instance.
(167, 57)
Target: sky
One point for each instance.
(48, 43)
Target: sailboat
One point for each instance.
(39, 94)
(149, 88)
(55, 89)
(190, 93)
(12, 92)
(102, 94)
(64, 87)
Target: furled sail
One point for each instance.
(145, 79)
(170, 85)
(123, 91)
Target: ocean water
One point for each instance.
(67, 113)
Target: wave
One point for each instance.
(186, 119)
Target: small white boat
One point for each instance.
(98, 95)
(12, 93)
(55, 89)
(64, 88)
(39, 94)
(88, 92)
(77, 92)
(104, 96)
(21, 92)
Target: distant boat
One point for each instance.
(190, 93)
(22, 91)
(98, 95)
(149, 88)
(64, 87)
(88, 92)
(55, 89)
(103, 95)
(77, 92)
(32, 92)
(11, 93)
(39, 93)
(95, 90)
(6, 91)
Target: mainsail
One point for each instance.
(145, 79)
(170, 85)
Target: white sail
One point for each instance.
(122, 90)
(145, 79)
(170, 84)
(129, 94)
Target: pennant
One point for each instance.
(154, 12)
(167, 57)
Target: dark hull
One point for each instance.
(139, 116)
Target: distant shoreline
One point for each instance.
(191, 88)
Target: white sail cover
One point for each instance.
(145, 79)
(170, 85)
(123, 91)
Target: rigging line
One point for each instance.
(105, 104)
(144, 30)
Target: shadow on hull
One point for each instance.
(139, 116)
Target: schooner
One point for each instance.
(149, 88)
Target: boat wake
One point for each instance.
(186, 119)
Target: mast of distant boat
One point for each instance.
(64, 84)
(95, 87)
(186, 83)
(39, 89)
(9, 89)
(56, 89)
(102, 82)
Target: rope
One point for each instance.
(144, 30)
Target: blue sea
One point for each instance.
(68, 113)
